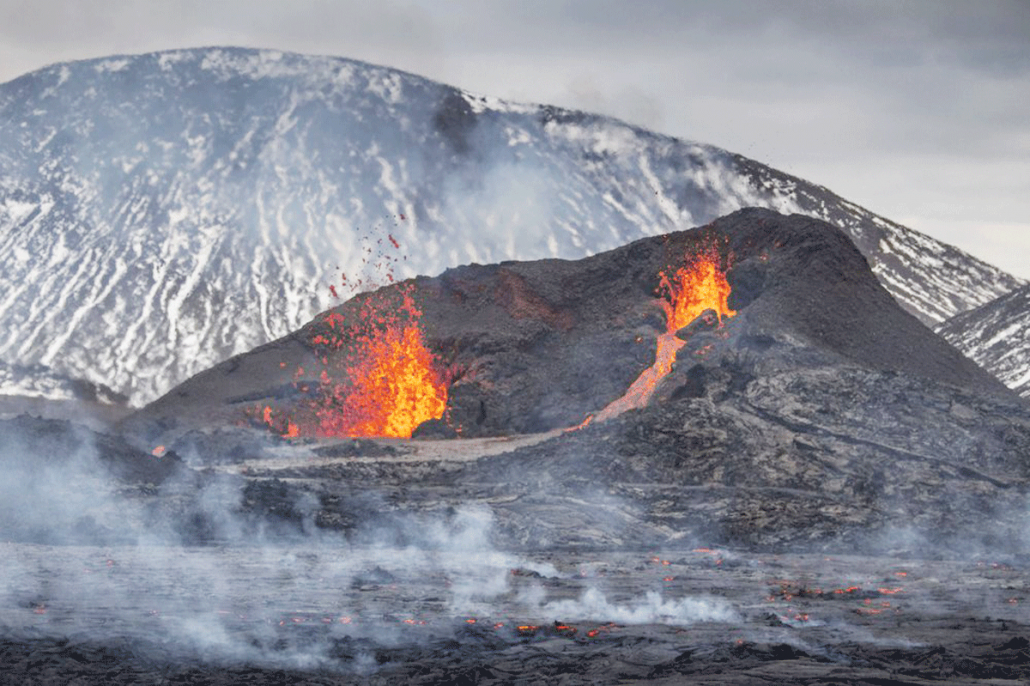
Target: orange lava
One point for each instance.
(700, 285)
(378, 378)
(392, 384)
(292, 430)
(286, 428)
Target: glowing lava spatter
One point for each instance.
(285, 427)
(378, 378)
(387, 381)
(700, 285)
(393, 382)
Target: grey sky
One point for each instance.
(918, 110)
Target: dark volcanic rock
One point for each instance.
(224, 444)
(37, 444)
(819, 415)
(63, 483)
(533, 346)
(839, 457)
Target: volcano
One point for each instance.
(534, 346)
(160, 213)
(751, 358)
(724, 454)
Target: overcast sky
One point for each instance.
(917, 110)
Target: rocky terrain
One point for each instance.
(819, 490)
(997, 336)
(710, 616)
(820, 413)
(160, 213)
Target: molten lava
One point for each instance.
(700, 285)
(392, 383)
(286, 428)
(378, 378)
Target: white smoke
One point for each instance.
(651, 609)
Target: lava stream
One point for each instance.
(699, 286)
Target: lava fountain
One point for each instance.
(698, 286)
(378, 377)
(394, 381)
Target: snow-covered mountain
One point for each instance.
(159, 213)
(996, 336)
(37, 381)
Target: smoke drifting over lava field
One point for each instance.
(628, 453)
(812, 487)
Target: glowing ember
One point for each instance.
(564, 629)
(291, 429)
(687, 294)
(593, 633)
(283, 426)
(849, 589)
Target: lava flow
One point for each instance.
(700, 285)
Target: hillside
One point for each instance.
(997, 336)
(160, 213)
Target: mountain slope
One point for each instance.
(534, 346)
(815, 409)
(997, 336)
(161, 212)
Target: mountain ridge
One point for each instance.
(162, 212)
(534, 346)
(996, 336)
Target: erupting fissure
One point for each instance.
(685, 295)
(378, 378)
(393, 382)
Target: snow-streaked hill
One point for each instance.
(159, 213)
(996, 336)
(37, 381)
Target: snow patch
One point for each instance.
(109, 66)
